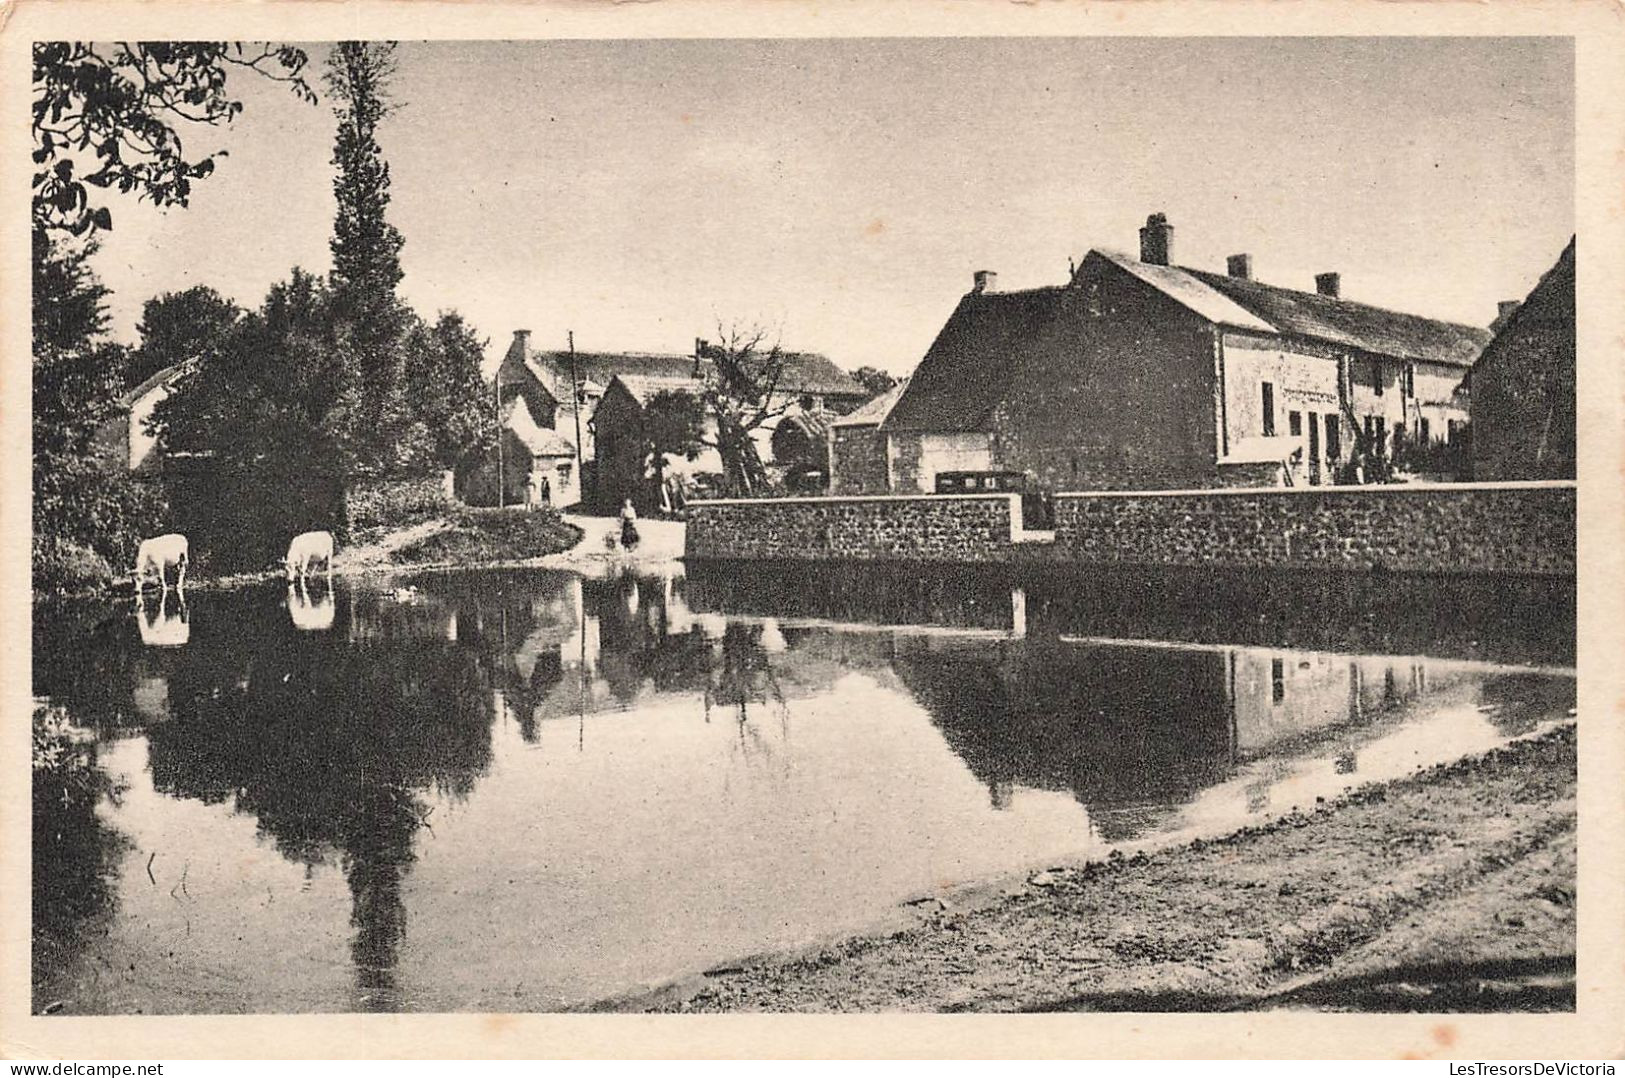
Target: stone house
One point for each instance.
(858, 446)
(1142, 374)
(812, 387)
(124, 435)
(1523, 390)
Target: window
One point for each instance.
(1334, 445)
(1269, 409)
(1408, 388)
(1376, 378)
(1451, 427)
(1294, 424)
(1277, 680)
(1426, 433)
(1314, 438)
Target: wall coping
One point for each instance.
(837, 499)
(1370, 488)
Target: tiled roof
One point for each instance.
(968, 367)
(804, 372)
(1551, 302)
(541, 441)
(1353, 325)
(875, 412)
(163, 377)
(1189, 291)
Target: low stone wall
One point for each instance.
(1508, 528)
(937, 527)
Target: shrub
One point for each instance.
(62, 565)
(381, 505)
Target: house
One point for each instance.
(535, 465)
(124, 435)
(858, 446)
(1142, 374)
(1523, 391)
(544, 379)
(614, 387)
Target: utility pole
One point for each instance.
(501, 489)
(575, 410)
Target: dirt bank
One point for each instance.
(1452, 890)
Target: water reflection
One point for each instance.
(312, 607)
(165, 623)
(675, 770)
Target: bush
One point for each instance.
(383, 505)
(62, 565)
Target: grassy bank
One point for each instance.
(477, 536)
(1452, 890)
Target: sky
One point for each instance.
(842, 191)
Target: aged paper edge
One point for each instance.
(1598, 27)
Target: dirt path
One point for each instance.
(660, 545)
(1452, 890)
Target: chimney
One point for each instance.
(1157, 240)
(985, 281)
(1240, 266)
(1329, 284)
(1504, 312)
(521, 340)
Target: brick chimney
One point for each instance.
(1329, 284)
(1504, 312)
(1157, 240)
(521, 339)
(984, 281)
(1240, 266)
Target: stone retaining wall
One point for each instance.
(1516, 528)
(946, 528)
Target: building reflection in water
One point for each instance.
(340, 743)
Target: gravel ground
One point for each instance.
(1449, 891)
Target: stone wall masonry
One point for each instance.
(938, 527)
(1502, 528)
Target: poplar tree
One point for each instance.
(371, 321)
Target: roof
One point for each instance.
(804, 372)
(966, 370)
(541, 441)
(1355, 325)
(1550, 303)
(875, 412)
(1190, 291)
(164, 377)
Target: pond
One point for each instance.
(523, 790)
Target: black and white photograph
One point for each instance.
(855, 524)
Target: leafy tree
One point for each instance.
(366, 247)
(674, 424)
(105, 116)
(742, 392)
(874, 380)
(88, 514)
(451, 410)
(181, 326)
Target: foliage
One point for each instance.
(446, 396)
(674, 424)
(742, 391)
(377, 506)
(178, 327)
(874, 380)
(105, 116)
(87, 511)
(486, 535)
(366, 247)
